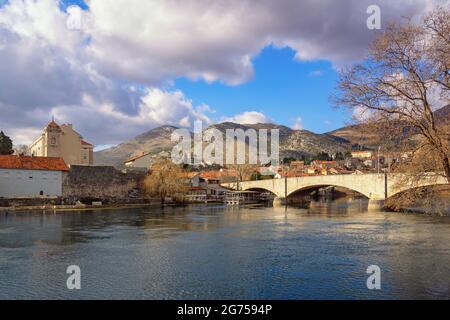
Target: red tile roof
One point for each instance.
(53, 124)
(33, 163)
(84, 143)
(198, 189)
(190, 175)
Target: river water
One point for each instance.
(219, 252)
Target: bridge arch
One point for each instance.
(319, 186)
(260, 190)
(376, 187)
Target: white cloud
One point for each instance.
(216, 41)
(100, 69)
(156, 107)
(362, 114)
(248, 117)
(298, 125)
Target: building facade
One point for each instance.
(364, 154)
(63, 141)
(30, 177)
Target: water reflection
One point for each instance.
(212, 252)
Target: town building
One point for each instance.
(29, 177)
(297, 165)
(62, 141)
(362, 154)
(323, 164)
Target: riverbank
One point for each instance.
(74, 204)
(65, 208)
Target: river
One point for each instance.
(219, 252)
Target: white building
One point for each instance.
(28, 177)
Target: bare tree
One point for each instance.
(166, 180)
(401, 84)
(243, 171)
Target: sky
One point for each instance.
(115, 69)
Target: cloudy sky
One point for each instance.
(118, 68)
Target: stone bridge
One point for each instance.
(376, 187)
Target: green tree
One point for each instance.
(6, 145)
(322, 156)
(339, 156)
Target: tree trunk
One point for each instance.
(163, 200)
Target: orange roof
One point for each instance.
(84, 143)
(190, 175)
(324, 161)
(33, 163)
(211, 175)
(197, 189)
(53, 124)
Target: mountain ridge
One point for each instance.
(293, 143)
(356, 134)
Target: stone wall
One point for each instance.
(102, 182)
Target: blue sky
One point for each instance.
(282, 88)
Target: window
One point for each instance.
(53, 140)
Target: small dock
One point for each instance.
(241, 197)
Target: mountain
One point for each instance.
(442, 116)
(154, 141)
(293, 143)
(360, 134)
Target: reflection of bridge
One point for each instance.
(376, 187)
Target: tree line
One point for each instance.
(6, 144)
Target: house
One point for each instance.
(267, 172)
(197, 191)
(193, 179)
(322, 164)
(310, 170)
(142, 160)
(297, 165)
(62, 141)
(362, 154)
(29, 177)
(211, 180)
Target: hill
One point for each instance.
(293, 143)
(359, 134)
